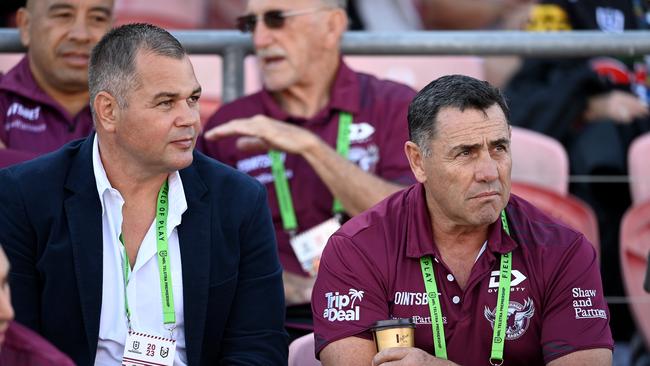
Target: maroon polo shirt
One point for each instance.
(378, 133)
(30, 120)
(24, 347)
(370, 271)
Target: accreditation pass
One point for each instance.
(142, 349)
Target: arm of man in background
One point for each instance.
(356, 189)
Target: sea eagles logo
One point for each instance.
(518, 318)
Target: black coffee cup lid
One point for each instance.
(394, 323)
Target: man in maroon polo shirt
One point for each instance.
(446, 251)
(309, 96)
(44, 98)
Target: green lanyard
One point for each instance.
(282, 191)
(164, 271)
(503, 300)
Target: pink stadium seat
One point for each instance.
(416, 71)
(634, 249)
(566, 208)
(9, 60)
(169, 14)
(301, 352)
(639, 169)
(539, 160)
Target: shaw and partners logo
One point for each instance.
(342, 307)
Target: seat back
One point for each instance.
(301, 352)
(639, 169)
(539, 160)
(566, 208)
(634, 248)
(168, 14)
(416, 71)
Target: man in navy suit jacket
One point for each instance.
(84, 227)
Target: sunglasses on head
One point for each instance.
(273, 19)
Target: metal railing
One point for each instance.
(233, 46)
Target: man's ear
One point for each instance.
(23, 21)
(416, 160)
(337, 24)
(106, 111)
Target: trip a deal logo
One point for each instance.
(343, 307)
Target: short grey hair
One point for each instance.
(112, 66)
(455, 91)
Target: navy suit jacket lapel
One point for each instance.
(194, 242)
(83, 211)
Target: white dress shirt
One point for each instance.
(143, 286)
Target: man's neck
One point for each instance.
(306, 98)
(131, 181)
(72, 102)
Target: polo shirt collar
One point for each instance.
(20, 80)
(345, 95)
(420, 236)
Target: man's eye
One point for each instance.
(62, 15)
(194, 99)
(166, 103)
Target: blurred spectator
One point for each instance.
(8, 12)
(409, 15)
(223, 13)
(309, 96)
(44, 98)
(595, 107)
(395, 15)
(18, 344)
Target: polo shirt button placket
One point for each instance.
(450, 277)
(455, 300)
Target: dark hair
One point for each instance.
(456, 91)
(112, 62)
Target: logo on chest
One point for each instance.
(516, 279)
(518, 318)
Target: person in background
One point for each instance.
(486, 277)
(325, 140)
(44, 98)
(20, 345)
(595, 107)
(137, 249)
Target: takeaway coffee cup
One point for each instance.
(393, 333)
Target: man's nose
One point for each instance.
(262, 35)
(486, 168)
(79, 30)
(6, 310)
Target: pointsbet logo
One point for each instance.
(343, 307)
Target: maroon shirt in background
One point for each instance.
(30, 120)
(25, 348)
(379, 131)
(370, 271)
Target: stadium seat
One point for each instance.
(634, 249)
(639, 169)
(9, 60)
(416, 71)
(301, 352)
(539, 160)
(168, 14)
(566, 208)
